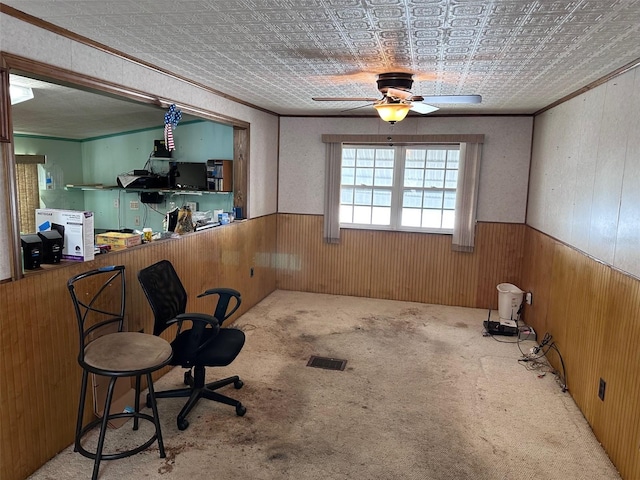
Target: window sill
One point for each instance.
(385, 228)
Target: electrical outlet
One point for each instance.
(116, 203)
(601, 389)
(193, 206)
(136, 220)
(529, 298)
(134, 205)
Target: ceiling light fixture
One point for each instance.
(18, 93)
(392, 112)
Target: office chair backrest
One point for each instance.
(99, 302)
(165, 292)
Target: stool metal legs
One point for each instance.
(98, 455)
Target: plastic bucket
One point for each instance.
(509, 301)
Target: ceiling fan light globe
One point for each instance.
(392, 112)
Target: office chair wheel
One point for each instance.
(241, 410)
(238, 384)
(183, 423)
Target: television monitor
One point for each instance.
(191, 176)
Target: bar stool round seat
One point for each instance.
(127, 354)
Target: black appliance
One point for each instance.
(31, 251)
(188, 176)
(51, 246)
(160, 149)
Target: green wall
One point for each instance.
(63, 156)
(101, 160)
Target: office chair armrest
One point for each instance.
(225, 295)
(220, 290)
(200, 322)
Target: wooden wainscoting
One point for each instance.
(398, 265)
(593, 313)
(39, 374)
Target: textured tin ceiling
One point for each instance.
(519, 55)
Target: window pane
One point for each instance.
(413, 177)
(433, 199)
(363, 196)
(364, 176)
(346, 195)
(362, 215)
(431, 218)
(383, 177)
(381, 216)
(346, 214)
(410, 217)
(414, 158)
(449, 200)
(428, 188)
(453, 159)
(451, 179)
(348, 176)
(384, 158)
(434, 178)
(412, 198)
(348, 157)
(436, 158)
(382, 198)
(364, 157)
(448, 217)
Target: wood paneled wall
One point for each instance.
(398, 265)
(591, 310)
(593, 313)
(39, 374)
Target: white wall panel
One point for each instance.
(605, 216)
(503, 175)
(591, 116)
(607, 187)
(627, 254)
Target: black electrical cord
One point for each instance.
(563, 379)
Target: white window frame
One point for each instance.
(398, 188)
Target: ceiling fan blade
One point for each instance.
(402, 94)
(423, 108)
(344, 99)
(356, 108)
(451, 99)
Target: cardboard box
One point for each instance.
(123, 398)
(76, 228)
(118, 240)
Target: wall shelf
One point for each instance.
(100, 187)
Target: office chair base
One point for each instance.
(197, 390)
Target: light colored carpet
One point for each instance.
(424, 396)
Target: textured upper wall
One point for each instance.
(504, 171)
(585, 170)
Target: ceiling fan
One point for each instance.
(397, 98)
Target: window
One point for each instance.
(399, 187)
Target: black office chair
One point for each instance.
(205, 344)
(108, 350)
